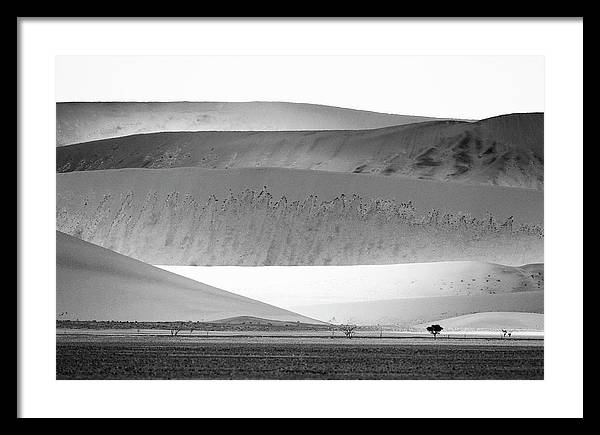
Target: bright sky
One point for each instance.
(468, 87)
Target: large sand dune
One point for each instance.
(505, 150)
(83, 122)
(94, 283)
(409, 312)
(170, 217)
(309, 285)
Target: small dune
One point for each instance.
(409, 312)
(256, 321)
(493, 321)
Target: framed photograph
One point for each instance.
(312, 220)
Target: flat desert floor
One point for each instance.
(91, 356)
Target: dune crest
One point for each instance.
(83, 122)
(506, 150)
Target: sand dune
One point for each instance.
(505, 150)
(493, 320)
(257, 321)
(410, 312)
(83, 122)
(524, 205)
(275, 184)
(309, 285)
(169, 217)
(94, 283)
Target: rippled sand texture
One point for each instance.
(505, 150)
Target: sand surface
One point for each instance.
(309, 285)
(525, 205)
(301, 217)
(494, 320)
(94, 283)
(409, 312)
(82, 122)
(505, 150)
(387, 219)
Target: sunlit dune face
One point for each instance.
(310, 285)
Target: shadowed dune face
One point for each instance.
(169, 217)
(506, 150)
(95, 283)
(83, 122)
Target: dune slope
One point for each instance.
(171, 217)
(309, 285)
(94, 283)
(409, 312)
(506, 150)
(493, 320)
(83, 122)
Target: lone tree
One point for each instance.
(348, 330)
(175, 329)
(435, 330)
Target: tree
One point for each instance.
(435, 330)
(175, 329)
(506, 333)
(348, 330)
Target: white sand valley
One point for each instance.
(312, 285)
(402, 295)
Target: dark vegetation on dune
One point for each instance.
(254, 228)
(505, 150)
